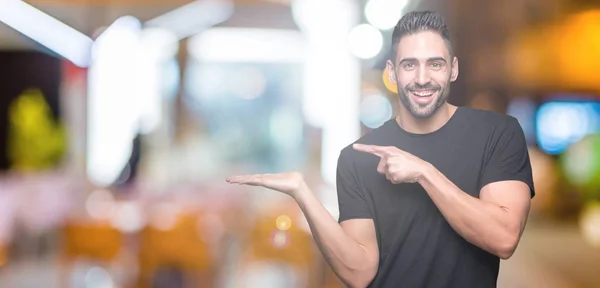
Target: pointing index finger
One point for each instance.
(372, 149)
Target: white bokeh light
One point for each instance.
(326, 26)
(384, 14)
(113, 115)
(365, 41)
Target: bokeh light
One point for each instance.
(581, 164)
(560, 124)
(384, 14)
(250, 84)
(283, 222)
(98, 277)
(100, 204)
(280, 239)
(128, 217)
(164, 216)
(375, 109)
(589, 223)
(365, 41)
(524, 109)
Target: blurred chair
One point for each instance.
(178, 249)
(95, 241)
(278, 249)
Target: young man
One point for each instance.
(432, 198)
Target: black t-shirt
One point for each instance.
(417, 246)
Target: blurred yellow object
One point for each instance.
(292, 248)
(180, 246)
(35, 141)
(386, 82)
(269, 243)
(560, 56)
(283, 222)
(579, 51)
(589, 222)
(93, 240)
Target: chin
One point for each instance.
(422, 112)
(422, 108)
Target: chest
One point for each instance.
(405, 215)
(461, 161)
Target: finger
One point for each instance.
(254, 180)
(372, 149)
(382, 167)
(390, 176)
(378, 150)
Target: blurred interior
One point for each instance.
(119, 121)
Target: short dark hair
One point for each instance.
(419, 21)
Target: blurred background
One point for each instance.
(119, 121)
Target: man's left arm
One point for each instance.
(495, 221)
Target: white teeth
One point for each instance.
(423, 94)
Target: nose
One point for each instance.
(422, 76)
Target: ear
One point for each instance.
(391, 73)
(454, 75)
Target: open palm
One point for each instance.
(288, 183)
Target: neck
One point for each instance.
(425, 125)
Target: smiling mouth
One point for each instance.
(423, 93)
(423, 96)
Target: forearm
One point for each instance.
(348, 259)
(481, 223)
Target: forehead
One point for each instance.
(422, 45)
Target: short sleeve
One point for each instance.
(351, 199)
(509, 159)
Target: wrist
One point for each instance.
(426, 171)
(301, 192)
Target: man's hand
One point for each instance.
(289, 183)
(398, 166)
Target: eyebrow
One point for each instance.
(412, 59)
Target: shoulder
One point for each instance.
(492, 122)
(503, 135)
(489, 118)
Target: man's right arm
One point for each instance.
(350, 248)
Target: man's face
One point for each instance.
(423, 70)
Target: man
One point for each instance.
(432, 198)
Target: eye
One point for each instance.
(436, 65)
(409, 66)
